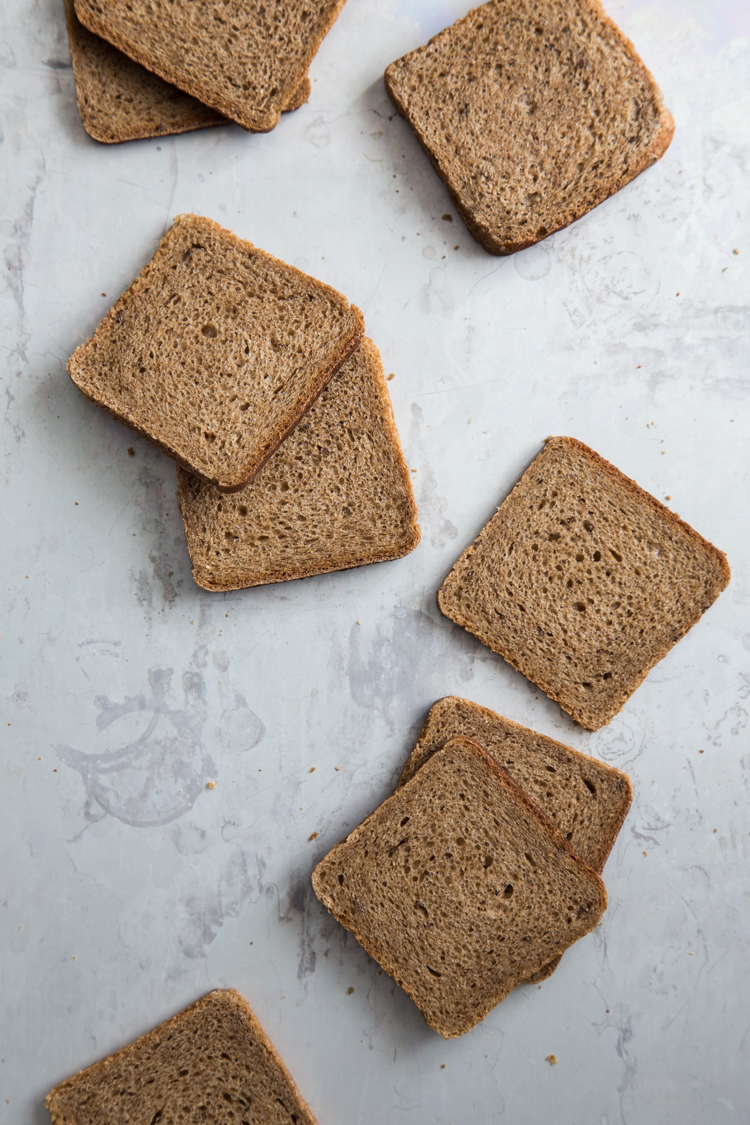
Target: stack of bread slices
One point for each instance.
(484, 865)
(257, 381)
(146, 70)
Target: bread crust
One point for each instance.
(485, 234)
(236, 109)
(518, 659)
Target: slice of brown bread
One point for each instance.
(335, 494)
(245, 60)
(532, 112)
(216, 351)
(120, 101)
(583, 581)
(585, 799)
(460, 887)
(212, 1062)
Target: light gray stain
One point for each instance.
(157, 776)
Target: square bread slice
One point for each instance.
(585, 799)
(121, 101)
(216, 351)
(532, 112)
(583, 581)
(245, 60)
(460, 887)
(211, 1062)
(335, 494)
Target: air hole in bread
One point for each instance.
(591, 788)
(210, 331)
(508, 892)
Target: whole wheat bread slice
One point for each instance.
(583, 581)
(335, 494)
(212, 1062)
(120, 101)
(216, 351)
(585, 799)
(460, 887)
(245, 60)
(532, 112)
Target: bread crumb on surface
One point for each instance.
(313, 769)
(349, 991)
(211, 784)
(552, 1060)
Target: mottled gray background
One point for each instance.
(128, 888)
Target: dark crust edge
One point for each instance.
(639, 494)
(253, 123)
(483, 234)
(625, 782)
(252, 467)
(557, 839)
(220, 994)
(349, 561)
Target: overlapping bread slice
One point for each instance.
(335, 494)
(460, 887)
(211, 1062)
(216, 351)
(583, 581)
(586, 800)
(532, 113)
(119, 100)
(245, 60)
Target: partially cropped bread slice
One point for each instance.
(335, 494)
(212, 1062)
(120, 101)
(583, 581)
(585, 799)
(216, 351)
(245, 60)
(532, 113)
(460, 887)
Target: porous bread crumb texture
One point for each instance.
(586, 800)
(335, 494)
(460, 887)
(245, 60)
(212, 1062)
(216, 351)
(532, 112)
(583, 581)
(121, 101)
